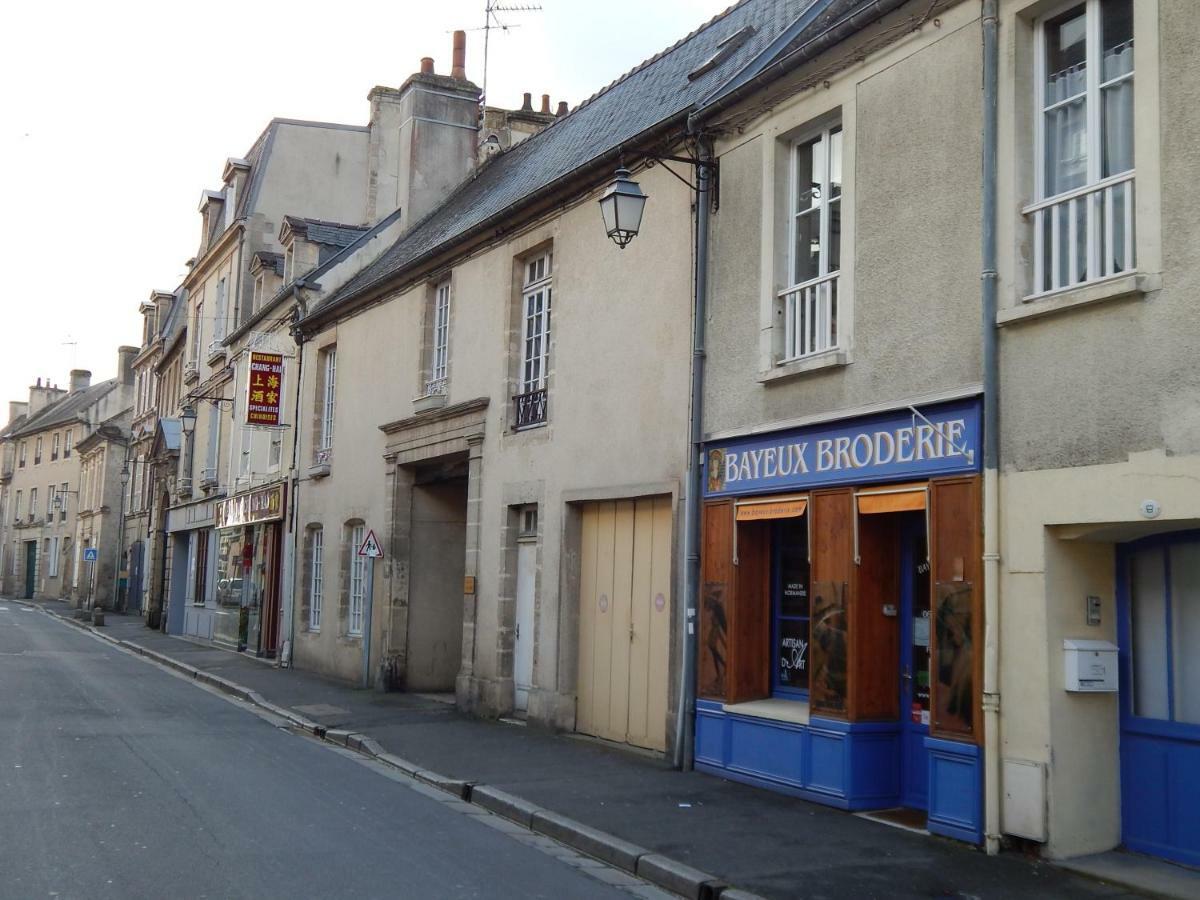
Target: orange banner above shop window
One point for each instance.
(893, 501)
(788, 508)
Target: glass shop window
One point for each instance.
(790, 607)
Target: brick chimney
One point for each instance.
(422, 139)
(81, 380)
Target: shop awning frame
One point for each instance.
(892, 498)
(785, 506)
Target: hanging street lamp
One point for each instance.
(622, 206)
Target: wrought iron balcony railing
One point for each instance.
(529, 409)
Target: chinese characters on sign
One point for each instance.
(264, 394)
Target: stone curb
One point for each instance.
(659, 870)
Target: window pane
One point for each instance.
(793, 567)
(810, 172)
(1116, 38)
(1066, 55)
(807, 254)
(1066, 147)
(1185, 630)
(835, 235)
(835, 162)
(1116, 111)
(1148, 621)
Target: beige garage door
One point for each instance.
(625, 621)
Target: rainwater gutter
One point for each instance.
(685, 717)
(991, 438)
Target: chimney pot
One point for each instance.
(426, 65)
(527, 103)
(459, 70)
(562, 108)
(39, 382)
(546, 104)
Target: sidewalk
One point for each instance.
(759, 841)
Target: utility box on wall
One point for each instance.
(1023, 810)
(1090, 666)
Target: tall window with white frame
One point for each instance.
(810, 302)
(439, 356)
(199, 329)
(536, 292)
(219, 319)
(316, 597)
(328, 395)
(358, 575)
(1083, 220)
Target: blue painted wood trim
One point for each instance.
(955, 789)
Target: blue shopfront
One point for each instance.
(840, 615)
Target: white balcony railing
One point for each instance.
(810, 317)
(323, 456)
(1083, 235)
(435, 387)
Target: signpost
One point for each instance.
(371, 551)
(90, 555)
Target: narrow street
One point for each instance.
(118, 779)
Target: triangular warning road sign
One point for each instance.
(370, 547)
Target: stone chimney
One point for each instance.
(81, 380)
(505, 128)
(422, 139)
(41, 396)
(16, 409)
(125, 357)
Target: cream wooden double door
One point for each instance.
(625, 620)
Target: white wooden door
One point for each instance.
(523, 643)
(624, 621)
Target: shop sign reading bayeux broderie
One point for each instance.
(937, 440)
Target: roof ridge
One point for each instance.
(657, 56)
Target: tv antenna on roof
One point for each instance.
(74, 345)
(490, 21)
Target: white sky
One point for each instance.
(114, 116)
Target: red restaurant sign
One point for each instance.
(264, 394)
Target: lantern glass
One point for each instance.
(187, 419)
(621, 208)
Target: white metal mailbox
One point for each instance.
(1091, 666)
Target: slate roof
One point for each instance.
(331, 234)
(12, 427)
(66, 410)
(652, 95)
(171, 429)
(270, 260)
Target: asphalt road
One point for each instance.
(118, 779)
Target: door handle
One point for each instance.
(906, 674)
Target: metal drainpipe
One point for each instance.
(991, 441)
(293, 501)
(686, 715)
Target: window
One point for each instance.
(63, 496)
(67, 444)
(790, 607)
(358, 574)
(21, 455)
(1163, 583)
(1083, 220)
(328, 393)
(54, 446)
(440, 345)
(17, 507)
(810, 304)
(317, 586)
(258, 290)
(200, 585)
(219, 322)
(535, 341)
(275, 451)
(32, 503)
(51, 494)
(53, 557)
(199, 328)
(245, 453)
(37, 452)
(289, 263)
(137, 477)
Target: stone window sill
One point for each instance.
(321, 470)
(793, 711)
(1133, 286)
(820, 362)
(428, 402)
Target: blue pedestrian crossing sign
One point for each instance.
(90, 554)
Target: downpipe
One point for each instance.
(685, 720)
(991, 438)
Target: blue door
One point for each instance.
(914, 662)
(1158, 591)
